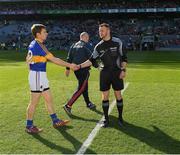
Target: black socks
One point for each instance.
(120, 108)
(105, 106)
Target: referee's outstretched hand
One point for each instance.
(74, 67)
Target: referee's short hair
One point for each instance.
(36, 28)
(104, 25)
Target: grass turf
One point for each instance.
(151, 108)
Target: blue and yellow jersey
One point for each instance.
(38, 56)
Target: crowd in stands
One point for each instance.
(80, 5)
(62, 33)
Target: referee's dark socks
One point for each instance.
(120, 107)
(105, 106)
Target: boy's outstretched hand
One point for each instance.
(74, 67)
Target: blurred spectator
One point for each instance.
(63, 32)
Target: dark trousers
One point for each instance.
(82, 77)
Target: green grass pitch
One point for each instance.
(151, 108)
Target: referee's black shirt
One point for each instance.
(111, 53)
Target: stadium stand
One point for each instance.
(152, 31)
(79, 5)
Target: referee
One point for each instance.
(109, 50)
(78, 53)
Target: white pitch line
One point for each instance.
(94, 132)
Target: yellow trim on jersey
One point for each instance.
(49, 55)
(37, 59)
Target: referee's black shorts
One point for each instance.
(111, 77)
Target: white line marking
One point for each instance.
(94, 132)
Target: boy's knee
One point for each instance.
(31, 105)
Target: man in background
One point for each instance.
(79, 53)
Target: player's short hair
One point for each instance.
(104, 25)
(36, 28)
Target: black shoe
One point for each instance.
(91, 105)
(120, 122)
(105, 124)
(67, 109)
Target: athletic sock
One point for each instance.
(120, 108)
(105, 106)
(29, 123)
(54, 118)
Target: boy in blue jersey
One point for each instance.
(37, 57)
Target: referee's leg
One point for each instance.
(105, 106)
(82, 84)
(105, 83)
(119, 101)
(118, 85)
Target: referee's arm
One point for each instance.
(91, 60)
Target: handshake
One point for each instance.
(72, 66)
(75, 67)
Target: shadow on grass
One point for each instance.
(12, 64)
(82, 119)
(86, 119)
(145, 60)
(154, 59)
(12, 56)
(157, 139)
(63, 130)
(97, 111)
(145, 65)
(76, 143)
(52, 145)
